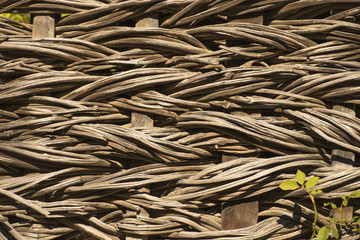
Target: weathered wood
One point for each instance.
(150, 20)
(43, 26)
(342, 160)
(347, 213)
(238, 214)
(242, 213)
(139, 119)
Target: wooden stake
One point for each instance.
(150, 20)
(342, 160)
(242, 213)
(140, 119)
(43, 26)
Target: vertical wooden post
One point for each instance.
(242, 213)
(43, 26)
(342, 160)
(139, 119)
(150, 20)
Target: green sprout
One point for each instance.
(324, 232)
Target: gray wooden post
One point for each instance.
(43, 26)
(140, 119)
(342, 160)
(242, 213)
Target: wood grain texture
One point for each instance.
(241, 213)
(346, 211)
(150, 20)
(343, 160)
(43, 26)
(140, 119)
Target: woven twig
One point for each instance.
(71, 166)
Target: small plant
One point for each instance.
(324, 232)
(342, 221)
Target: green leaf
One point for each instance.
(311, 182)
(333, 206)
(355, 218)
(323, 233)
(357, 222)
(289, 185)
(341, 224)
(332, 219)
(314, 192)
(18, 17)
(326, 204)
(335, 232)
(355, 194)
(300, 177)
(345, 202)
(343, 196)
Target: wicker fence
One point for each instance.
(125, 119)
